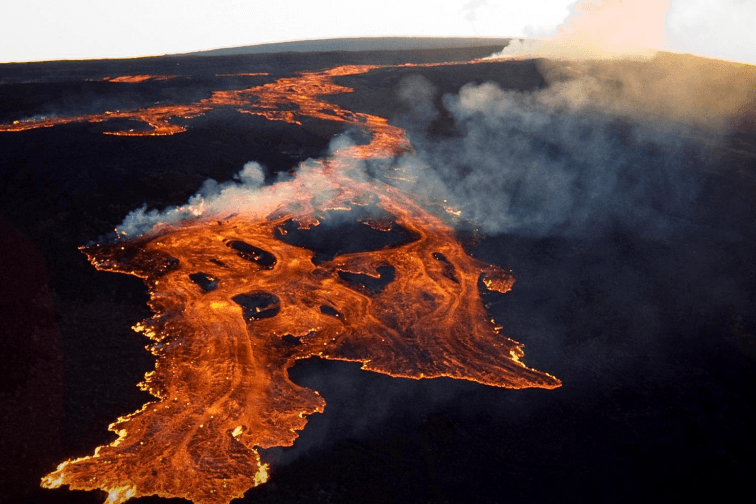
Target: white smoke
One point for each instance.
(211, 199)
(556, 161)
(607, 29)
(247, 193)
(564, 160)
(519, 48)
(608, 56)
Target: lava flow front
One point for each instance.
(239, 297)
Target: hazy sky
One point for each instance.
(34, 30)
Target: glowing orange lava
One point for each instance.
(133, 79)
(242, 74)
(236, 305)
(287, 99)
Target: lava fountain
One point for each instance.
(237, 300)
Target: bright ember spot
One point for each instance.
(238, 298)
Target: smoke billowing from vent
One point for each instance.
(212, 198)
(243, 194)
(605, 143)
(607, 57)
(608, 29)
(609, 52)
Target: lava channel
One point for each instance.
(237, 300)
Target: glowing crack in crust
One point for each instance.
(235, 306)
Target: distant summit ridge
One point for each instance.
(358, 44)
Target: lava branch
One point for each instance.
(288, 99)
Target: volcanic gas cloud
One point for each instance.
(238, 297)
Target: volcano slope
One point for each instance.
(639, 302)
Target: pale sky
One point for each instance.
(34, 30)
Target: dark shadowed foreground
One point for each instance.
(631, 242)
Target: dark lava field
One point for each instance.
(632, 245)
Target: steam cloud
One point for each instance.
(612, 29)
(548, 163)
(242, 194)
(212, 198)
(609, 29)
(610, 140)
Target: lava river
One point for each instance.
(238, 299)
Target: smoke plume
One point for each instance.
(606, 57)
(605, 144)
(609, 29)
(243, 194)
(550, 162)
(211, 199)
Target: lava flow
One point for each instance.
(287, 99)
(134, 79)
(238, 298)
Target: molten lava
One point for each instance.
(237, 301)
(287, 99)
(134, 79)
